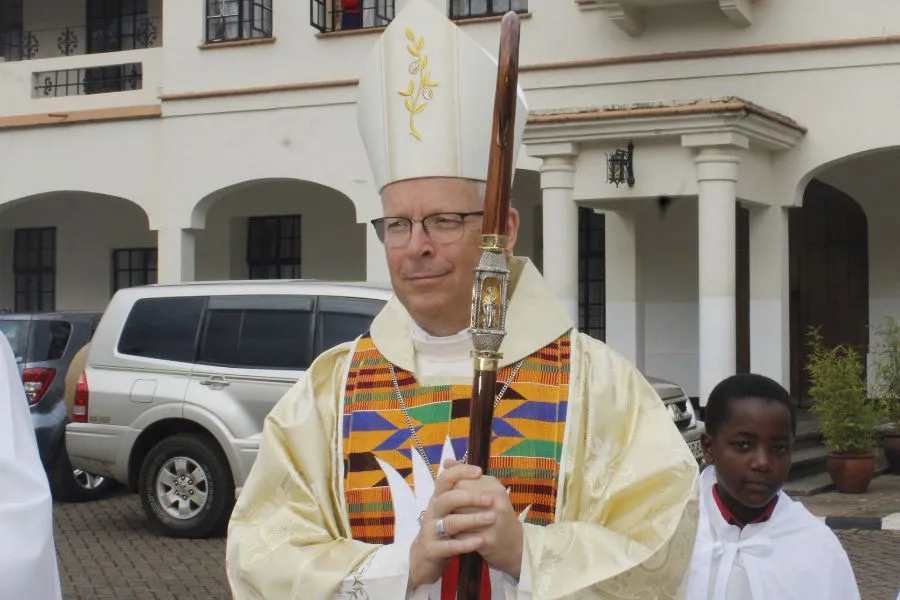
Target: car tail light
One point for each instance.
(36, 382)
(82, 397)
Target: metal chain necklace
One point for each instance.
(412, 429)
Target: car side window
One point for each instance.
(343, 319)
(48, 340)
(261, 332)
(164, 328)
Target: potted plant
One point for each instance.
(846, 416)
(887, 389)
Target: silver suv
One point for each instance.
(180, 378)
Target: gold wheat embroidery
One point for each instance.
(417, 96)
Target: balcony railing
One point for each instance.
(349, 15)
(86, 81)
(134, 34)
(81, 82)
(474, 9)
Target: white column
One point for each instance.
(717, 173)
(560, 222)
(176, 254)
(770, 294)
(624, 298)
(376, 261)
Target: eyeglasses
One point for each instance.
(442, 228)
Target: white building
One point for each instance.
(188, 139)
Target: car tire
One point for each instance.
(186, 487)
(69, 485)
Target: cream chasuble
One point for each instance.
(791, 556)
(28, 567)
(625, 510)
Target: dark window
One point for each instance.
(261, 332)
(229, 20)
(112, 26)
(472, 9)
(34, 269)
(48, 340)
(37, 340)
(164, 328)
(134, 266)
(592, 273)
(342, 319)
(273, 247)
(347, 15)
(11, 30)
(16, 332)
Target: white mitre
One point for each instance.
(426, 100)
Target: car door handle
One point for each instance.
(215, 381)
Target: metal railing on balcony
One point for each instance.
(473, 9)
(349, 15)
(88, 80)
(130, 34)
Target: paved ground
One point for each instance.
(882, 499)
(106, 551)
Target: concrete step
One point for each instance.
(818, 481)
(808, 461)
(808, 485)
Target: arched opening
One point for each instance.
(829, 276)
(72, 250)
(279, 229)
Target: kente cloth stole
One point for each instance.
(526, 447)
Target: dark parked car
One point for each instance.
(44, 345)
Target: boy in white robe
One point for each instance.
(753, 541)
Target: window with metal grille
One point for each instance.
(231, 20)
(273, 247)
(34, 269)
(133, 267)
(472, 9)
(11, 29)
(592, 273)
(346, 15)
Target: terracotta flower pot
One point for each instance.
(851, 473)
(891, 446)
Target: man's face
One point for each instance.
(433, 279)
(752, 450)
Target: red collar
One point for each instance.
(733, 520)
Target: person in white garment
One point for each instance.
(357, 490)
(28, 567)
(753, 541)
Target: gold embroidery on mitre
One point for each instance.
(417, 96)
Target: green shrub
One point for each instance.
(846, 417)
(887, 370)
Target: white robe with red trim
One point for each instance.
(791, 556)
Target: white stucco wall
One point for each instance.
(332, 242)
(667, 251)
(180, 168)
(88, 229)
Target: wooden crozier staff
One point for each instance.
(489, 293)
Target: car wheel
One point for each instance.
(186, 487)
(74, 485)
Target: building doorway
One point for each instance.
(829, 277)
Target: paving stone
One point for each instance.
(106, 550)
(874, 556)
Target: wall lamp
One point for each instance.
(620, 166)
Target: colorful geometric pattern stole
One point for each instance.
(526, 448)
